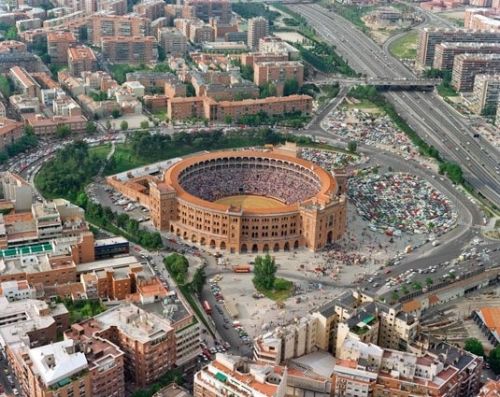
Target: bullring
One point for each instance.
(211, 199)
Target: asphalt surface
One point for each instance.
(434, 120)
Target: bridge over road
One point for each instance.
(384, 83)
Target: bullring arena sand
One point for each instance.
(250, 201)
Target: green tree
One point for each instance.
(352, 146)
(145, 124)
(474, 346)
(264, 272)
(494, 359)
(11, 34)
(124, 125)
(429, 281)
(177, 265)
(108, 124)
(267, 89)
(405, 290)
(417, 286)
(90, 127)
(63, 131)
(190, 91)
(116, 113)
(394, 296)
(228, 119)
(5, 86)
(291, 87)
(199, 279)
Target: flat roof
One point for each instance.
(113, 263)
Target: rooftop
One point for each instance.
(110, 263)
(135, 322)
(58, 361)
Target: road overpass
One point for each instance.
(388, 84)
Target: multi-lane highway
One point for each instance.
(434, 120)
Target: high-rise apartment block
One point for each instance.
(172, 41)
(430, 37)
(152, 9)
(103, 26)
(486, 93)
(133, 50)
(206, 9)
(467, 66)
(147, 340)
(257, 28)
(445, 53)
(81, 59)
(57, 46)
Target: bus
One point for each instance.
(207, 308)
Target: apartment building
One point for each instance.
(130, 50)
(206, 9)
(200, 32)
(429, 38)
(16, 190)
(467, 66)
(486, 93)
(106, 361)
(24, 82)
(239, 377)
(32, 321)
(182, 108)
(58, 44)
(367, 370)
(147, 341)
(257, 28)
(10, 131)
(17, 290)
(151, 9)
(482, 19)
(284, 343)
(103, 26)
(278, 73)
(356, 316)
(276, 45)
(446, 52)
(81, 59)
(172, 41)
(153, 81)
(12, 46)
(56, 369)
(64, 105)
(251, 58)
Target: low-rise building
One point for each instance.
(239, 377)
(278, 73)
(24, 82)
(17, 290)
(43, 125)
(10, 131)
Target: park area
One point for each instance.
(406, 46)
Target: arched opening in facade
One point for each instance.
(276, 247)
(286, 247)
(255, 248)
(329, 237)
(244, 249)
(203, 241)
(212, 244)
(223, 245)
(265, 248)
(193, 238)
(296, 244)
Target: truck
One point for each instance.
(207, 307)
(242, 269)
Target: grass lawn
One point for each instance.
(124, 160)
(446, 90)
(406, 46)
(83, 309)
(278, 295)
(101, 151)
